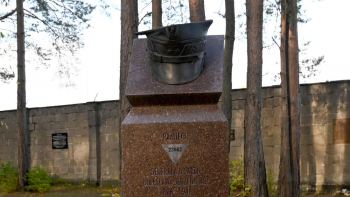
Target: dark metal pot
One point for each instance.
(177, 51)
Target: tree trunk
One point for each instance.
(228, 53)
(293, 65)
(156, 13)
(197, 12)
(129, 25)
(289, 177)
(254, 164)
(285, 173)
(23, 136)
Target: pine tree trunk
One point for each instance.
(289, 177)
(254, 164)
(156, 13)
(228, 53)
(197, 12)
(262, 168)
(129, 25)
(23, 135)
(294, 91)
(285, 173)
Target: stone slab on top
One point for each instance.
(143, 89)
(175, 114)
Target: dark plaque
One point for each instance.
(59, 141)
(341, 131)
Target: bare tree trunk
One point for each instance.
(156, 13)
(289, 177)
(23, 136)
(197, 12)
(228, 53)
(129, 25)
(254, 164)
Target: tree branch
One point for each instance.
(66, 8)
(148, 14)
(145, 6)
(45, 23)
(8, 30)
(8, 14)
(275, 5)
(276, 43)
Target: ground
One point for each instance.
(89, 191)
(86, 190)
(331, 194)
(67, 191)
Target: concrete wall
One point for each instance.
(93, 140)
(8, 136)
(94, 151)
(322, 164)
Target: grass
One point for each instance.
(65, 191)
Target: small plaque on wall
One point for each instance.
(59, 141)
(341, 131)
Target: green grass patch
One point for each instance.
(39, 180)
(8, 177)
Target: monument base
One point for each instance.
(175, 151)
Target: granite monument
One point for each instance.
(175, 140)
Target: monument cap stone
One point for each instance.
(144, 90)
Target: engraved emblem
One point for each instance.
(174, 151)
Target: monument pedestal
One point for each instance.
(175, 140)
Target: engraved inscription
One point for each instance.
(157, 181)
(166, 191)
(341, 131)
(191, 181)
(181, 191)
(189, 170)
(176, 181)
(174, 151)
(179, 181)
(174, 136)
(185, 191)
(184, 170)
(163, 171)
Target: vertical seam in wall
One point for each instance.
(98, 142)
(94, 111)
